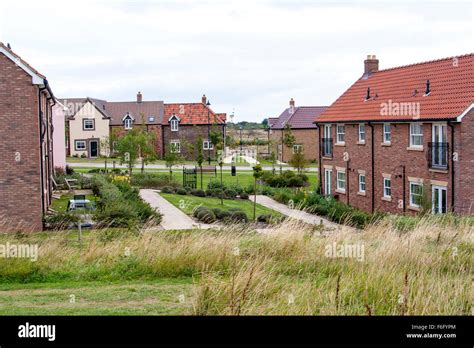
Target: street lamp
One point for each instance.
(240, 128)
(208, 133)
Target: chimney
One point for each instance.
(371, 64)
(292, 102)
(139, 97)
(204, 99)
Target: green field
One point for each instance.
(188, 203)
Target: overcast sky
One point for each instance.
(249, 57)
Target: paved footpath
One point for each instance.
(173, 218)
(293, 213)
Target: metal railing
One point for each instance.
(438, 155)
(326, 144)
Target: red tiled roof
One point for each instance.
(272, 121)
(192, 113)
(451, 92)
(302, 117)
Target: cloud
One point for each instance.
(247, 56)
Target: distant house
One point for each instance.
(184, 123)
(59, 135)
(401, 139)
(300, 120)
(26, 144)
(88, 124)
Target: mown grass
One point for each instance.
(60, 204)
(426, 270)
(188, 203)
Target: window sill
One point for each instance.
(341, 191)
(443, 171)
(415, 148)
(412, 207)
(386, 144)
(387, 199)
(327, 158)
(360, 143)
(361, 193)
(340, 144)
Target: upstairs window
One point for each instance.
(362, 133)
(387, 187)
(297, 148)
(88, 124)
(387, 133)
(416, 135)
(174, 125)
(207, 145)
(341, 134)
(128, 123)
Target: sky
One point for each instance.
(248, 57)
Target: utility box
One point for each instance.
(233, 170)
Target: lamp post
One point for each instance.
(240, 128)
(208, 133)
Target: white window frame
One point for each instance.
(296, 147)
(340, 135)
(174, 124)
(207, 145)
(327, 182)
(80, 149)
(387, 189)
(362, 183)
(414, 135)
(339, 187)
(177, 146)
(361, 138)
(387, 136)
(412, 194)
(128, 123)
(92, 124)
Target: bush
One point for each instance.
(282, 196)
(238, 216)
(230, 193)
(295, 181)
(198, 193)
(60, 221)
(264, 218)
(244, 195)
(117, 214)
(150, 180)
(69, 170)
(181, 191)
(206, 216)
(167, 189)
(359, 218)
(198, 209)
(214, 185)
(239, 189)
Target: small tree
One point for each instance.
(106, 144)
(298, 161)
(147, 149)
(288, 137)
(128, 149)
(172, 158)
(257, 174)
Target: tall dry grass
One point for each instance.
(427, 270)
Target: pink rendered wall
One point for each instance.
(59, 142)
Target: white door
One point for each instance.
(327, 182)
(439, 150)
(439, 200)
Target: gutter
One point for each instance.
(452, 165)
(320, 163)
(373, 165)
(41, 138)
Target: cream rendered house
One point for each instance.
(88, 126)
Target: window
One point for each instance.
(327, 181)
(207, 145)
(361, 182)
(80, 145)
(297, 148)
(151, 118)
(387, 187)
(387, 133)
(362, 133)
(341, 132)
(88, 124)
(341, 181)
(175, 146)
(416, 193)
(128, 123)
(174, 125)
(416, 135)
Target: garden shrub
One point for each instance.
(198, 193)
(150, 180)
(239, 189)
(206, 216)
(264, 218)
(238, 216)
(244, 195)
(181, 191)
(60, 221)
(167, 189)
(198, 209)
(295, 181)
(230, 193)
(214, 184)
(220, 214)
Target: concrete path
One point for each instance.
(293, 213)
(173, 218)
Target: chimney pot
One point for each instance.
(204, 99)
(371, 64)
(139, 97)
(292, 102)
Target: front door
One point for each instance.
(94, 148)
(327, 182)
(439, 199)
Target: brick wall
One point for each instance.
(20, 182)
(306, 137)
(120, 131)
(464, 167)
(389, 162)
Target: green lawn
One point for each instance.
(60, 204)
(188, 203)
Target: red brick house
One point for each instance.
(301, 121)
(26, 146)
(184, 123)
(401, 139)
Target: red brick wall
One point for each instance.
(464, 167)
(306, 137)
(20, 182)
(120, 131)
(389, 160)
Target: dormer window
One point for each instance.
(174, 123)
(127, 121)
